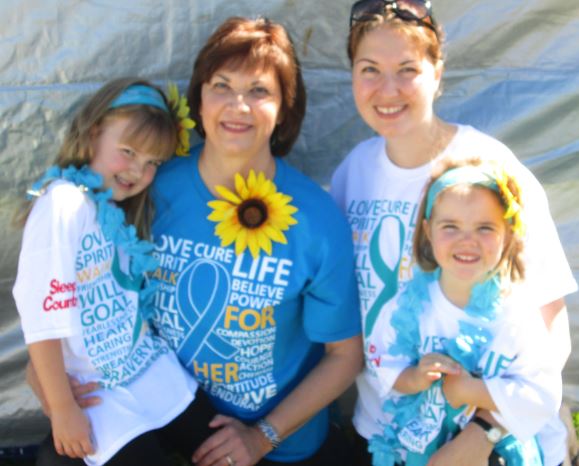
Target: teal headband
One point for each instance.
(463, 175)
(140, 94)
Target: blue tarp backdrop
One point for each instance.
(512, 70)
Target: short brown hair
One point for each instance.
(420, 35)
(254, 43)
(511, 264)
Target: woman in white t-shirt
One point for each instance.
(395, 50)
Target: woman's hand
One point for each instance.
(244, 445)
(71, 432)
(469, 448)
(79, 390)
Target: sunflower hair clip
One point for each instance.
(181, 110)
(253, 216)
(513, 212)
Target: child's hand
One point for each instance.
(432, 366)
(71, 432)
(455, 388)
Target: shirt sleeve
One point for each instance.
(548, 274)
(45, 288)
(331, 304)
(338, 186)
(528, 394)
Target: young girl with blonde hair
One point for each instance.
(79, 288)
(461, 335)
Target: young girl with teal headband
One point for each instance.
(461, 336)
(80, 285)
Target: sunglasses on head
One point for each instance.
(407, 10)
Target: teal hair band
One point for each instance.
(139, 94)
(468, 175)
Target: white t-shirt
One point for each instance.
(515, 366)
(381, 201)
(71, 285)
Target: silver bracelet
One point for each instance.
(269, 432)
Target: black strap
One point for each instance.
(486, 426)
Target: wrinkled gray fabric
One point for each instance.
(512, 71)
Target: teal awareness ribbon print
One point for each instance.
(128, 283)
(388, 276)
(202, 293)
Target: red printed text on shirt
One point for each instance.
(61, 296)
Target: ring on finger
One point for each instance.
(230, 460)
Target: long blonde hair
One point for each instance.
(150, 130)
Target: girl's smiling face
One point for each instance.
(125, 169)
(468, 235)
(394, 83)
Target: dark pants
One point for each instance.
(335, 451)
(184, 434)
(361, 454)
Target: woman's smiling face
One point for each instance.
(394, 83)
(240, 109)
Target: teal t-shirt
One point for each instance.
(251, 329)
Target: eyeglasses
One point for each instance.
(407, 10)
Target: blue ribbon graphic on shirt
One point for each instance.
(202, 292)
(387, 275)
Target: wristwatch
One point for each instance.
(494, 434)
(269, 432)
